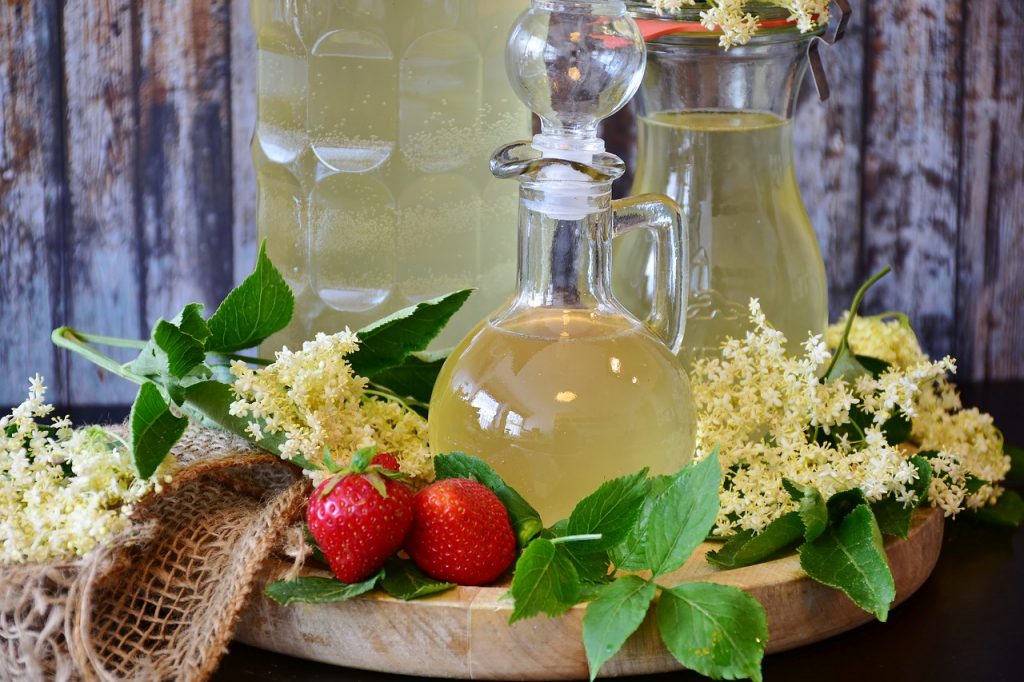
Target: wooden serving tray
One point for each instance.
(464, 633)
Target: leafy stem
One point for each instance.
(382, 392)
(576, 538)
(844, 342)
(78, 342)
(244, 358)
(112, 341)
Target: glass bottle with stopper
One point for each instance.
(562, 388)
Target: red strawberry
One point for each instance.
(356, 527)
(461, 533)
(386, 460)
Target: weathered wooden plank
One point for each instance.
(105, 265)
(911, 153)
(31, 197)
(990, 292)
(243, 122)
(827, 148)
(185, 153)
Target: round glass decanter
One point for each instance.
(715, 132)
(562, 388)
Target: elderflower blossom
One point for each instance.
(765, 409)
(966, 439)
(63, 491)
(737, 25)
(313, 399)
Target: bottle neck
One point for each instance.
(564, 256)
(694, 73)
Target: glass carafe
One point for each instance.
(376, 119)
(562, 388)
(715, 132)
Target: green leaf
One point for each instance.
(150, 362)
(893, 516)
(387, 342)
(841, 504)
(404, 580)
(311, 541)
(745, 548)
(682, 515)
(973, 484)
(175, 348)
(1016, 456)
(184, 352)
(718, 630)
(209, 403)
(851, 557)
(545, 581)
(874, 365)
(1008, 511)
(317, 590)
(611, 510)
(258, 307)
(414, 377)
(813, 510)
(844, 363)
(897, 429)
(924, 477)
(845, 366)
(591, 566)
(614, 615)
(155, 429)
(631, 555)
(190, 321)
(525, 519)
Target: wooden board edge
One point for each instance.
(467, 635)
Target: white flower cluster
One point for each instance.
(312, 398)
(966, 440)
(62, 491)
(768, 411)
(738, 26)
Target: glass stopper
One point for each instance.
(574, 63)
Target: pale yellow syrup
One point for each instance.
(377, 119)
(732, 172)
(559, 401)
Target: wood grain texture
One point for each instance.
(464, 633)
(243, 123)
(827, 154)
(185, 156)
(911, 154)
(990, 278)
(31, 197)
(126, 185)
(105, 263)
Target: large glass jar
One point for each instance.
(715, 132)
(376, 120)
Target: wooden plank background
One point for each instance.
(126, 187)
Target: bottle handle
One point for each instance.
(662, 216)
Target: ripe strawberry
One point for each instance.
(386, 460)
(461, 533)
(356, 526)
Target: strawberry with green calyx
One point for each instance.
(361, 515)
(386, 460)
(461, 533)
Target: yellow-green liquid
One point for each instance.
(732, 172)
(376, 121)
(559, 401)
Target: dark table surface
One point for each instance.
(965, 623)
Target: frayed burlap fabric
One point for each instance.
(161, 600)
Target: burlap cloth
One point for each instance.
(161, 600)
